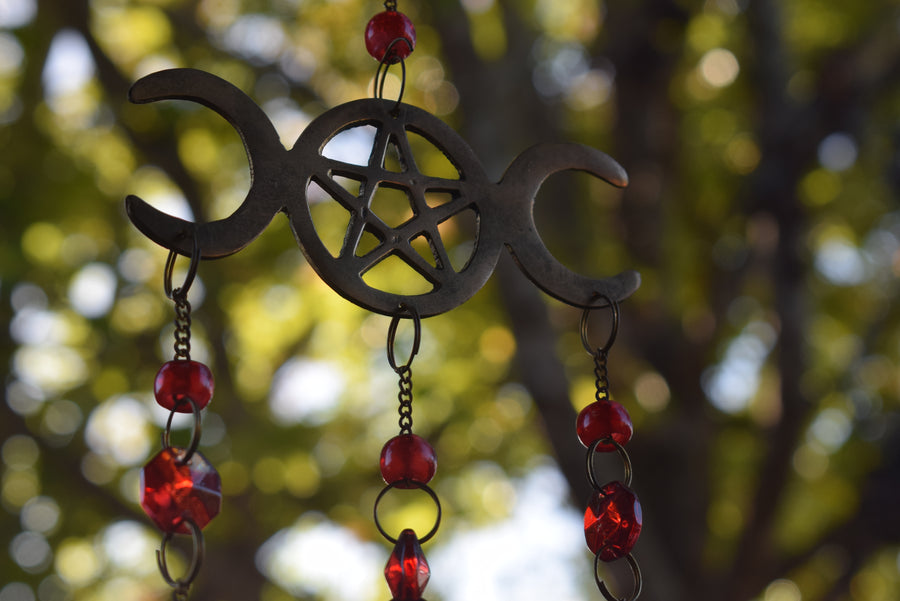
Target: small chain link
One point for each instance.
(405, 397)
(390, 5)
(601, 375)
(182, 327)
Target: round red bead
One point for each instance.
(183, 379)
(612, 521)
(172, 491)
(407, 457)
(604, 419)
(383, 29)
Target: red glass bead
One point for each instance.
(172, 491)
(612, 521)
(181, 379)
(407, 457)
(604, 419)
(407, 572)
(384, 28)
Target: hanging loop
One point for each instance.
(392, 336)
(626, 462)
(592, 350)
(181, 291)
(412, 484)
(635, 572)
(181, 585)
(195, 431)
(384, 66)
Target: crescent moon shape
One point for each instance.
(520, 185)
(265, 154)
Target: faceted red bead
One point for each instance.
(407, 457)
(407, 572)
(181, 379)
(604, 419)
(612, 521)
(172, 491)
(384, 28)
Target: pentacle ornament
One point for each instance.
(391, 166)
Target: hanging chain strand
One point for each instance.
(404, 370)
(405, 397)
(601, 375)
(182, 327)
(606, 443)
(390, 5)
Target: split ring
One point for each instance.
(614, 329)
(415, 484)
(195, 431)
(196, 557)
(635, 572)
(182, 290)
(381, 76)
(392, 336)
(626, 461)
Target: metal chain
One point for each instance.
(182, 327)
(601, 375)
(405, 397)
(390, 5)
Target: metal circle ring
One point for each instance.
(195, 431)
(182, 290)
(468, 193)
(421, 486)
(626, 460)
(196, 556)
(635, 571)
(392, 335)
(614, 329)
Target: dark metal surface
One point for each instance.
(280, 180)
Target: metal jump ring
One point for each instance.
(392, 335)
(195, 431)
(182, 290)
(419, 485)
(626, 460)
(380, 76)
(196, 556)
(592, 350)
(635, 571)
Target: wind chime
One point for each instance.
(180, 489)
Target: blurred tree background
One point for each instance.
(759, 359)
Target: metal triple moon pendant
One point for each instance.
(281, 181)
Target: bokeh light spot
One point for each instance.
(77, 562)
(719, 67)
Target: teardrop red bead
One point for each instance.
(407, 573)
